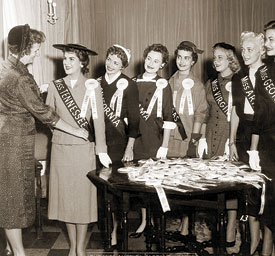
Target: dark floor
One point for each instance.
(55, 241)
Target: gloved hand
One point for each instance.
(202, 147)
(104, 159)
(226, 149)
(254, 160)
(162, 153)
(193, 143)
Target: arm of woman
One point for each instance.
(233, 154)
(28, 95)
(133, 119)
(99, 128)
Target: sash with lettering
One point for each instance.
(72, 107)
(179, 123)
(267, 82)
(218, 97)
(142, 111)
(116, 121)
(248, 90)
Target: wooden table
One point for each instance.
(112, 183)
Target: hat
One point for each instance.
(269, 25)
(19, 37)
(126, 51)
(225, 46)
(68, 47)
(192, 46)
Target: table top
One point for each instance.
(119, 181)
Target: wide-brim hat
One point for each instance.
(68, 47)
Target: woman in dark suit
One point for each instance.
(20, 104)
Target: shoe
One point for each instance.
(8, 253)
(230, 244)
(177, 236)
(136, 234)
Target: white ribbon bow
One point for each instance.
(161, 84)
(90, 84)
(187, 84)
(228, 87)
(121, 85)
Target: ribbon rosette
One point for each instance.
(121, 85)
(160, 84)
(90, 85)
(228, 87)
(187, 84)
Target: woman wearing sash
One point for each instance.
(156, 120)
(242, 123)
(190, 103)
(120, 96)
(78, 100)
(216, 129)
(20, 104)
(261, 154)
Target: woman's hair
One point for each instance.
(183, 46)
(113, 50)
(157, 48)
(29, 37)
(256, 38)
(269, 25)
(83, 57)
(230, 52)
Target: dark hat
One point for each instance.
(191, 45)
(225, 46)
(19, 37)
(269, 25)
(68, 47)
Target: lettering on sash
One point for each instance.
(267, 83)
(143, 113)
(248, 91)
(218, 97)
(71, 105)
(177, 120)
(111, 116)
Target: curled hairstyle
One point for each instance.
(30, 37)
(183, 46)
(230, 52)
(157, 48)
(258, 39)
(83, 57)
(113, 50)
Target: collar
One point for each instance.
(18, 64)
(109, 81)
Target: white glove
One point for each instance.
(254, 160)
(202, 147)
(226, 149)
(104, 159)
(162, 153)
